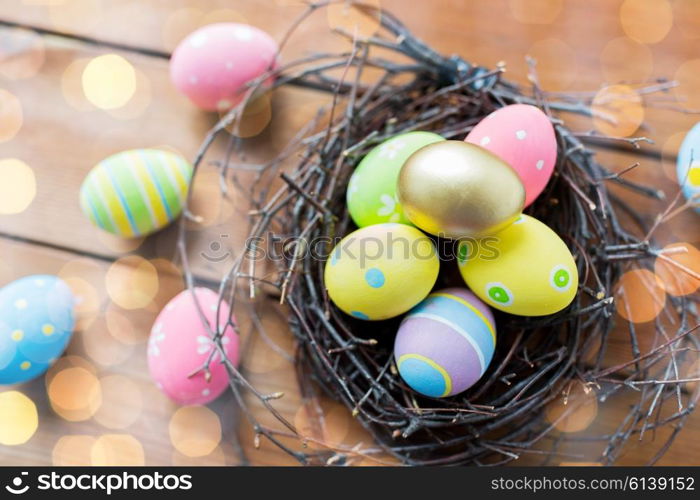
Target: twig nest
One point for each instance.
(457, 190)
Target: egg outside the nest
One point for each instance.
(381, 271)
(180, 345)
(688, 166)
(459, 190)
(213, 65)
(36, 325)
(445, 343)
(523, 137)
(137, 192)
(526, 269)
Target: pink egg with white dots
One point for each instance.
(522, 136)
(214, 63)
(180, 346)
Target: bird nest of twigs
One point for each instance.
(300, 197)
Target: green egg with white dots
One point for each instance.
(526, 269)
(371, 193)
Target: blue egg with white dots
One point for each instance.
(36, 324)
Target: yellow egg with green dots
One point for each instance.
(526, 269)
(381, 271)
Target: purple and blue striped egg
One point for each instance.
(445, 343)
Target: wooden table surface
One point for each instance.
(109, 412)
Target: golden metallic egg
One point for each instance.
(458, 190)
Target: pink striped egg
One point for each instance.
(523, 137)
(214, 63)
(180, 345)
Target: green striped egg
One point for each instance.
(137, 192)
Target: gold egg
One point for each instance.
(457, 190)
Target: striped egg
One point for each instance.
(445, 343)
(135, 193)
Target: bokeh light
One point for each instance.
(639, 296)
(121, 402)
(688, 78)
(87, 302)
(206, 201)
(120, 326)
(117, 450)
(625, 60)
(22, 53)
(222, 16)
(195, 431)
(104, 348)
(132, 282)
(215, 458)
(557, 67)
(18, 418)
(118, 244)
(687, 17)
(619, 111)
(17, 186)
(68, 361)
(66, 15)
(11, 115)
(669, 150)
(646, 21)
(139, 102)
(575, 410)
(535, 11)
(171, 282)
(72, 87)
(75, 394)
(348, 17)
(256, 117)
(179, 24)
(674, 279)
(109, 81)
(73, 450)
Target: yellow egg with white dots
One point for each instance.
(526, 269)
(381, 271)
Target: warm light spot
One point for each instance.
(132, 282)
(646, 21)
(117, 450)
(18, 418)
(687, 17)
(619, 111)
(140, 101)
(11, 116)
(71, 85)
(329, 424)
(206, 201)
(73, 450)
(639, 296)
(66, 15)
(215, 458)
(69, 361)
(75, 394)
(557, 68)
(223, 16)
(179, 24)
(688, 78)
(676, 281)
(535, 11)
(256, 117)
(574, 410)
(195, 431)
(351, 18)
(669, 150)
(120, 326)
(102, 347)
(171, 283)
(87, 302)
(22, 53)
(121, 402)
(118, 244)
(625, 60)
(17, 186)
(109, 81)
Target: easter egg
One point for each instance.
(456, 190)
(445, 344)
(137, 192)
(526, 269)
(36, 324)
(213, 64)
(381, 271)
(180, 345)
(523, 137)
(688, 166)
(371, 195)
